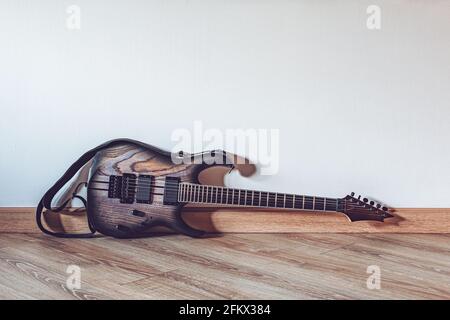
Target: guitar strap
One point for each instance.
(46, 201)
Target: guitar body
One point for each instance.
(118, 218)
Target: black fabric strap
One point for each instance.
(46, 201)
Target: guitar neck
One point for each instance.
(196, 193)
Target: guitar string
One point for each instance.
(209, 191)
(205, 194)
(307, 204)
(271, 196)
(271, 202)
(206, 190)
(175, 187)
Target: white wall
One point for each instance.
(358, 110)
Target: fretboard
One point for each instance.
(196, 193)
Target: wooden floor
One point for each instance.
(235, 266)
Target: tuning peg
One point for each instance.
(352, 194)
(378, 206)
(372, 203)
(365, 199)
(359, 197)
(385, 209)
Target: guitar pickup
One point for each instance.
(115, 187)
(144, 189)
(122, 187)
(171, 190)
(129, 188)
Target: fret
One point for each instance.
(308, 203)
(221, 195)
(298, 202)
(284, 201)
(235, 199)
(256, 198)
(303, 202)
(331, 205)
(188, 195)
(264, 199)
(289, 201)
(218, 198)
(197, 194)
(248, 197)
(229, 196)
(241, 197)
(319, 203)
(214, 195)
(271, 198)
(279, 201)
(210, 194)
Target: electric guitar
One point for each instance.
(134, 187)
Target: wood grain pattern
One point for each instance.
(112, 217)
(233, 266)
(409, 220)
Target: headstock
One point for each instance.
(357, 209)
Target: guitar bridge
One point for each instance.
(171, 190)
(130, 188)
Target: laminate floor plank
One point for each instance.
(232, 266)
